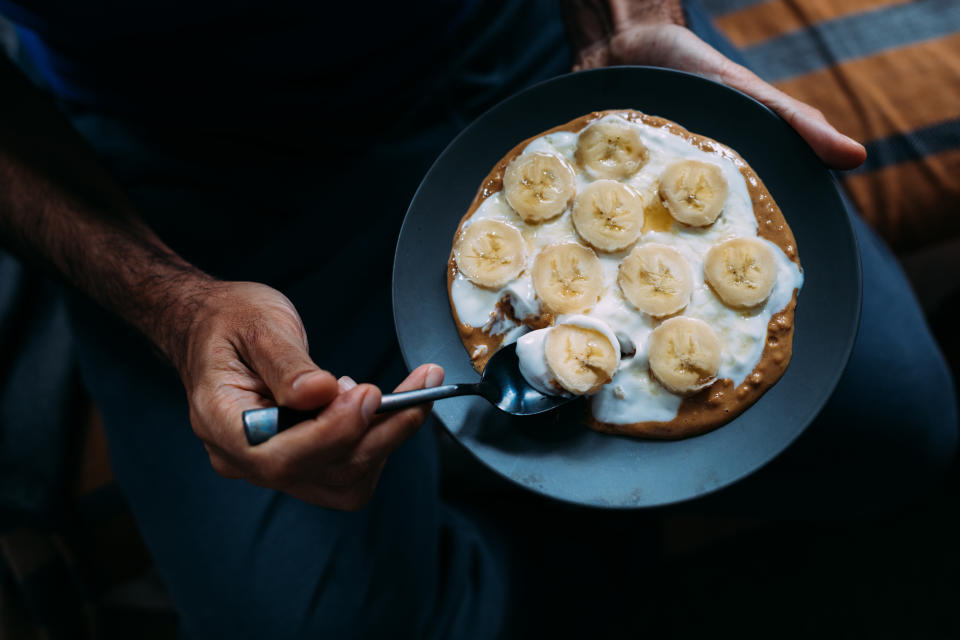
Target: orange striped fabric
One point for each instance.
(888, 93)
(887, 73)
(918, 201)
(767, 20)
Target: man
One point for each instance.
(235, 144)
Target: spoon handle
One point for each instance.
(262, 424)
(404, 399)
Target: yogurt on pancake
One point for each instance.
(633, 396)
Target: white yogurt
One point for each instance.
(633, 395)
(533, 362)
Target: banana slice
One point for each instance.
(611, 148)
(741, 271)
(538, 186)
(656, 279)
(694, 192)
(567, 277)
(490, 253)
(684, 354)
(582, 359)
(609, 215)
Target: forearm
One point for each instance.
(60, 209)
(592, 23)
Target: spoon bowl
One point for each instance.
(501, 384)
(504, 386)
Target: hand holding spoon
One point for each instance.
(501, 384)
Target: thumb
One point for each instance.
(281, 360)
(835, 149)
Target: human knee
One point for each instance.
(916, 420)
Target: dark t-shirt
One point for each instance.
(217, 61)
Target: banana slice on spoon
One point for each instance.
(567, 277)
(581, 358)
(611, 148)
(608, 215)
(490, 253)
(694, 192)
(538, 186)
(741, 271)
(656, 279)
(684, 354)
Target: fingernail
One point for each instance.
(299, 380)
(346, 383)
(371, 402)
(434, 376)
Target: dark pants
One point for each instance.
(240, 561)
(890, 429)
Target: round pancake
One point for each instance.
(718, 403)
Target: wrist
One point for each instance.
(172, 306)
(627, 14)
(130, 272)
(122, 265)
(593, 24)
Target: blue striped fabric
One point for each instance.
(720, 7)
(853, 36)
(903, 147)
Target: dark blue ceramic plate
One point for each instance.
(556, 455)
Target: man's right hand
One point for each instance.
(244, 347)
(237, 346)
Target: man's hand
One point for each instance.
(237, 346)
(669, 45)
(246, 348)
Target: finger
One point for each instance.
(223, 463)
(278, 354)
(344, 498)
(421, 377)
(834, 148)
(294, 454)
(216, 414)
(392, 430)
(346, 383)
(679, 48)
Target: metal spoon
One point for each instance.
(501, 384)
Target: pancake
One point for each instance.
(563, 232)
